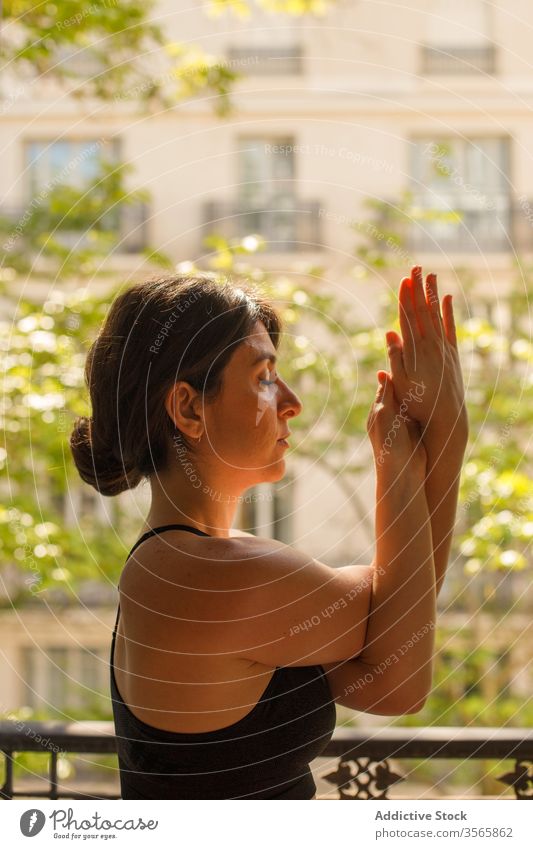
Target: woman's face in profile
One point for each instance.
(253, 411)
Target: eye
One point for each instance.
(269, 382)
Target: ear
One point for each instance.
(184, 406)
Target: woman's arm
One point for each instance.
(445, 461)
(393, 673)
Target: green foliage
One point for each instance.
(73, 42)
(472, 684)
(242, 8)
(70, 228)
(67, 236)
(109, 50)
(496, 493)
(198, 74)
(384, 232)
(67, 231)
(43, 388)
(44, 391)
(35, 765)
(64, 235)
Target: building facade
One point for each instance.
(369, 102)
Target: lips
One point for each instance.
(283, 440)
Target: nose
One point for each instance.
(289, 405)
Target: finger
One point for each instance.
(394, 351)
(379, 399)
(408, 324)
(382, 384)
(422, 311)
(449, 320)
(432, 299)
(384, 393)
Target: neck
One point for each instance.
(179, 500)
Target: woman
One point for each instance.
(230, 651)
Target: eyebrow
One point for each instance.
(264, 355)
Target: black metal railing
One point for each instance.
(266, 61)
(287, 225)
(364, 770)
(128, 223)
(369, 760)
(504, 226)
(487, 230)
(56, 739)
(453, 59)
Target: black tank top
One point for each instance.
(265, 755)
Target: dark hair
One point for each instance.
(156, 333)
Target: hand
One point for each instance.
(396, 439)
(425, 365)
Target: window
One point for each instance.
(79, 502)
(51, 164)
(267, 202)
(80, 61)
(467, 177)
(283, 509)
(266, 43)
(65, 162)
(265, 177)
(266, 61)
(266, 510)
(58, 679)
(265, 169)
(458, 38)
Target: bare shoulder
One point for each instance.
(282, 607)
(249, 549)
(200, 558)
(265, 601)
(236, 532)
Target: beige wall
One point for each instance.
(41, 631)
(92, 628)
(361, 95)
(353, 110)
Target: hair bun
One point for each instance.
(100, 467)
(81, 433)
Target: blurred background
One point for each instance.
(320, 149)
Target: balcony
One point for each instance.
(266, 61)
(289, 225)
(129, 223)
(458, 60)
(368, 760)
(478, 230)
(505, 228)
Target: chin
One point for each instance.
(276, 471)
(271, 474)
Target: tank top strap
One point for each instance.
(151, 533)
(162, 528)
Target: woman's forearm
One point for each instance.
(445, 459)
(399, 642)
